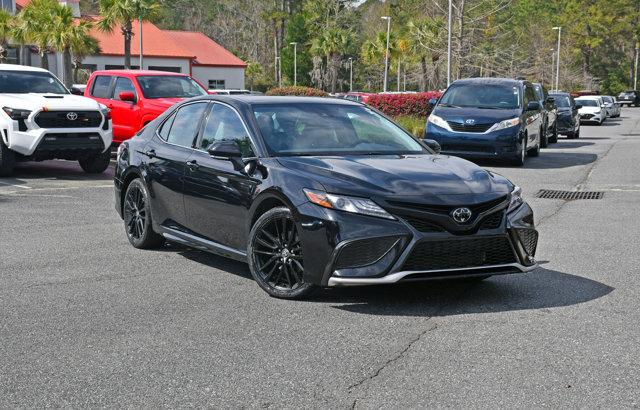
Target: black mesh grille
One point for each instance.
(423, 226)
(457, 254)
(492, 221)
(467, 147)
(461, 127)
(363, 252)
(446, 209)
(59, 119)
(529, 238)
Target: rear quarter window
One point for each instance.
(101, 86)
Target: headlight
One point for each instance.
(16, 113)
(350, 204)
(516, 199)
(597, 112)
(435, 120)
(505, 124)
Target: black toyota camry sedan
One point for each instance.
(317, 192)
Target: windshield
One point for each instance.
(330, 129)
(561, 101)
(588, 103)
(539, 93)
(482, 96)
(24, 82)
(169, 86)
(606, 98)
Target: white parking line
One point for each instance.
(15, 185)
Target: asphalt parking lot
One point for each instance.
(86, 320)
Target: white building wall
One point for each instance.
(102, 61)
(233, 76)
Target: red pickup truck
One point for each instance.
(136, 97)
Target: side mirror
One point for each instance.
(578, 106)
(433, 102)
(76, 91)
(225, 149)
(534, 106)
(603, 106)
(551, 99)
(127, 96)
(433, 144)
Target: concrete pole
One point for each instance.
(140, 35)
(558, 59)
(350, 74)
(386, 56)
(449, 43)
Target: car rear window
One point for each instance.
(101, 86)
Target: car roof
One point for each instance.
(489, 80)
(588, 97)
(266, 100)
(138, 73)
(15, 67)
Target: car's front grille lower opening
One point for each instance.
(569, 195)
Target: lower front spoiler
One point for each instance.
(433, 274)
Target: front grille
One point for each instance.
(586, 116)
(460, 254)
(461, 127)
(421, 225)
(529, 239)
(446, 209)
(59, 119)
(447, 147)
(364, 252)
(493, 221)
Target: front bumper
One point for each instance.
(566, 124)
(30, 140)
(344, 249)
(497, 144)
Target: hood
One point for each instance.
(421, 178)
(34, 102)
(161, 103)
(564, 110)
(589, 109)
(480, 115)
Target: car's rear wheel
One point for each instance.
(136, 212)
(7, 160)
(275, 255)
(520, 158)
(96, 164)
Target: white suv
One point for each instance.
(41, 120)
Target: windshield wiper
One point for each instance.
(448, 105)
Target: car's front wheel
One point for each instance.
(136, 212)
(7, 160)
(275, 255)
(554, 136)
(544, 137)
(96, 164)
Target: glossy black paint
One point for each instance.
(505, 143)
(211, 202)
(568, 117)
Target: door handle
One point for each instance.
(193, 165)
(151, 153)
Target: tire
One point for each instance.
(535, 151)
(96, 164)
(544, 138)
(7, 160)
(275, 255)
(520, 158)
(571, 135)
(136, 213)
(554, 136)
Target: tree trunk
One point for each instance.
(67, 67)
(423, 74)
(127, 33)
(460, 40)
(44, 59)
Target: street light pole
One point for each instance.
(295, 62)
(279, 67)
(553, 66)
(350, 74)
(140, 67)
(635, 76)
(386, 56)
(449, 43)
(558, 59)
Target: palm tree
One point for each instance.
(123, 13)
(6, 27)
(427, 39)
(80, 48)
(34, 25)
(67, 33)
(332, 44)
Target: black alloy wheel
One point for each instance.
(275, 255)
(137, 217)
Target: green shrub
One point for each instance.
(415, 125)
(297, 91)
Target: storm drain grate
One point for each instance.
(569, 195)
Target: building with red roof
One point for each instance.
(165, 50)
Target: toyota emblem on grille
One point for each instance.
(72, 116)
(470, 121)
(461, 215)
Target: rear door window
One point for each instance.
(185, 124)
(101, 86)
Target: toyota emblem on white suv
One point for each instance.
(72, 116)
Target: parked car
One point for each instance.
(631, 97)
(356, 96)
(317, 192)
(611, 106)
(568, 116)
(488, 118)
(136, 97)
(40, 120)
(592, 109)
(549, 115)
